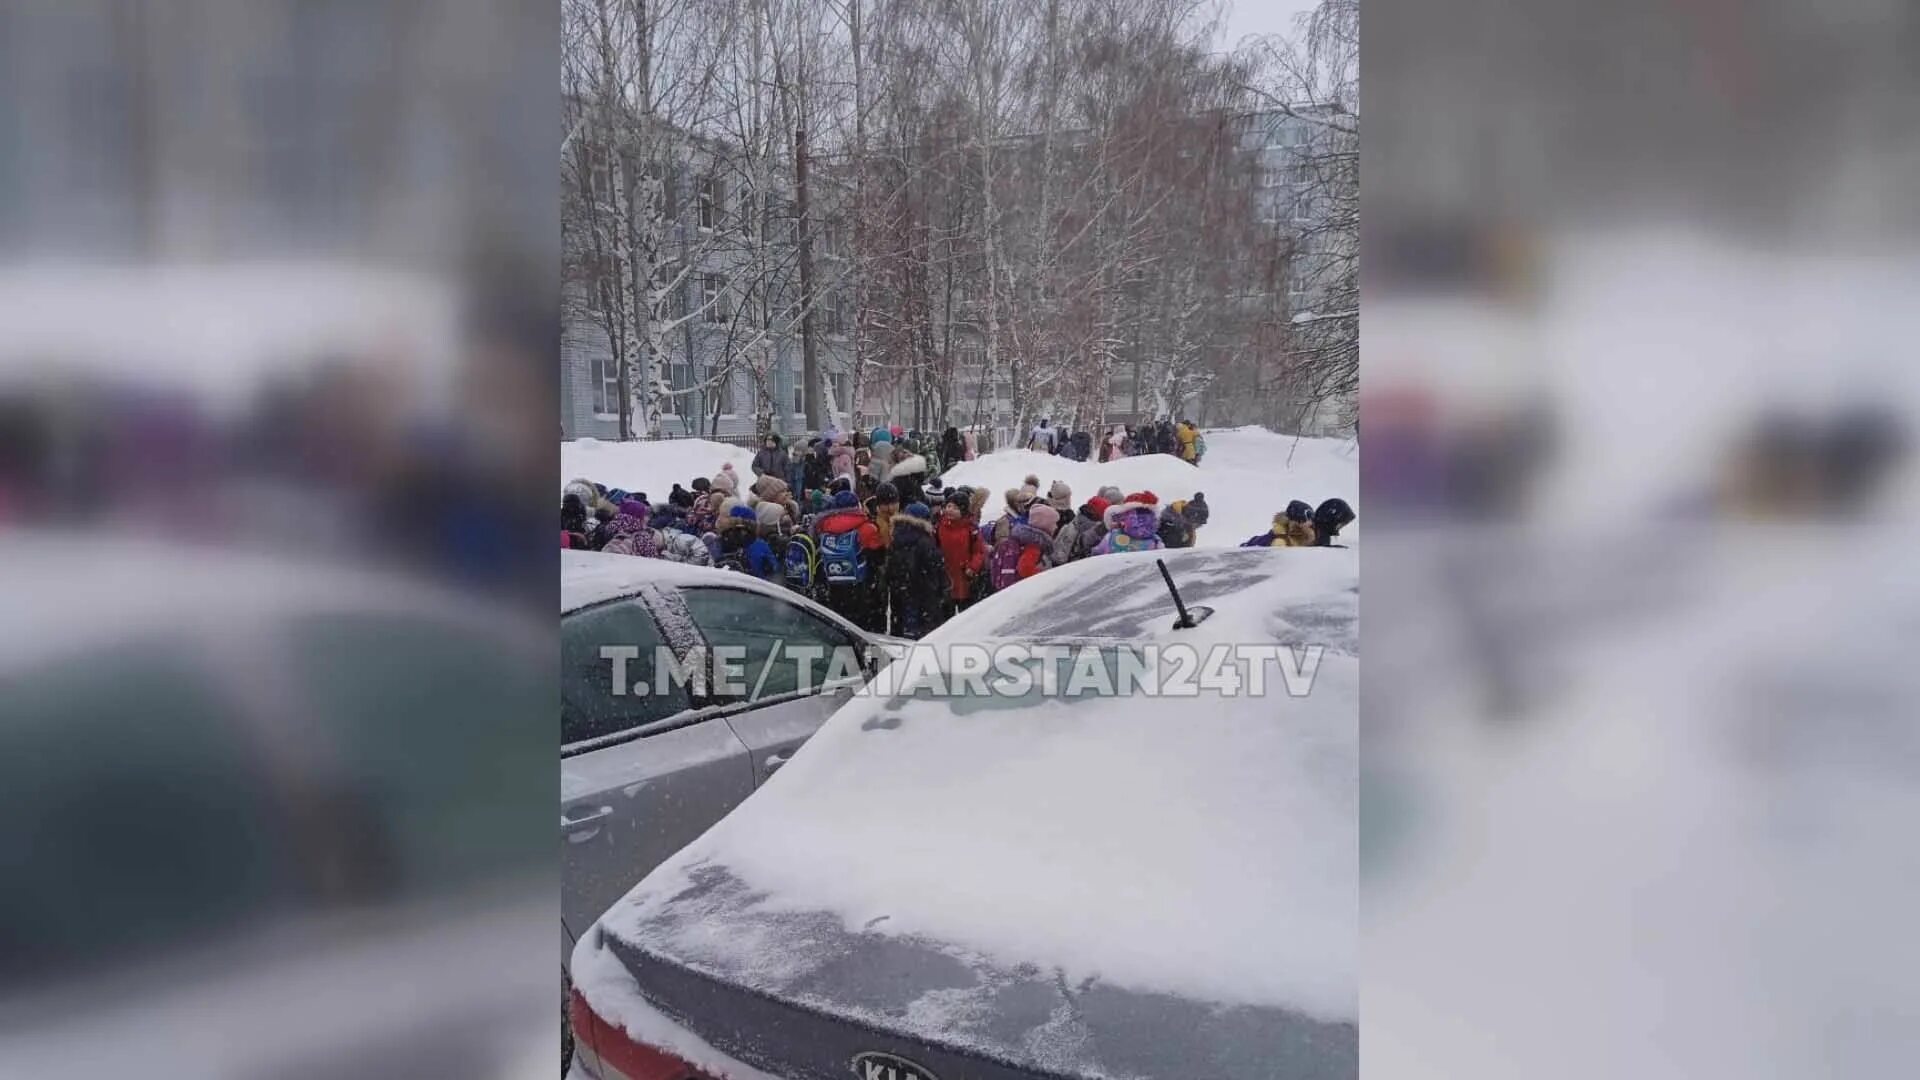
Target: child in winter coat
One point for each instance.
(1077, 537)
(631, 534)
(850, 562)
(1132, 525)
(1290, 528)
(1036, 540)
(908, 475)
(916, 573)
(1174, 529)
(741, 547)
(964, 552)
(1196, 511)
(1329, 518)
(1186, 434)
(676, 543)
(1285, 532)
(1060, 497)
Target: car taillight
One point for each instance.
(611, 1054)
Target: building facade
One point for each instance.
(725, 299)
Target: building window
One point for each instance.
(725, 391)
(830, 236)
(712, 201)
(836, 315)
(746, 214)
(842, 390)
(679, 377)
(604, 374)
(669, 300)
(799, 399)
(670, 192)
(713, 297)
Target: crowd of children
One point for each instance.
(863, 525)
(1181, 438)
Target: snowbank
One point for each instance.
(1248, 475)
(651, 467)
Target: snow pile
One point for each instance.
(1203, 846)
(652, 467)
(1248, 475)
(1163, 474)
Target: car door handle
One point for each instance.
(774, 761)
(585, 826)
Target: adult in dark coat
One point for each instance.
(772, 459)
(952, 450)
(916, 573)
(818, 467)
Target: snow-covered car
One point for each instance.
(236, 786)
(641, 774)
(1093, 878)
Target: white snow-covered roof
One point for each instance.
(1200, 846)
(593, 577)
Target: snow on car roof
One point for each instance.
(592, 577)
(1203, 847)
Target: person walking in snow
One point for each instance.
(772, 458)
(953, 449)
(1041, 441)
(1186, 437)
(916, 573)
(1132, 525)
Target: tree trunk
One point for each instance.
(809, 349)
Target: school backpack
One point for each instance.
(1003, 566)
(803, 563)
(841, 560)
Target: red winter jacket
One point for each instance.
(1030, 563)
(965, 553)
(840, 521)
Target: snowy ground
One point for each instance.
(1249, 474)
(650, 467)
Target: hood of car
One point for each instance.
(1072, 884)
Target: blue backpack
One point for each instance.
(841, 560)
(803, 563)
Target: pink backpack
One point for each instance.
(1003, 565)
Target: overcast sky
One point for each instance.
(1261, 17)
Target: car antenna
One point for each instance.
(1186, 621)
